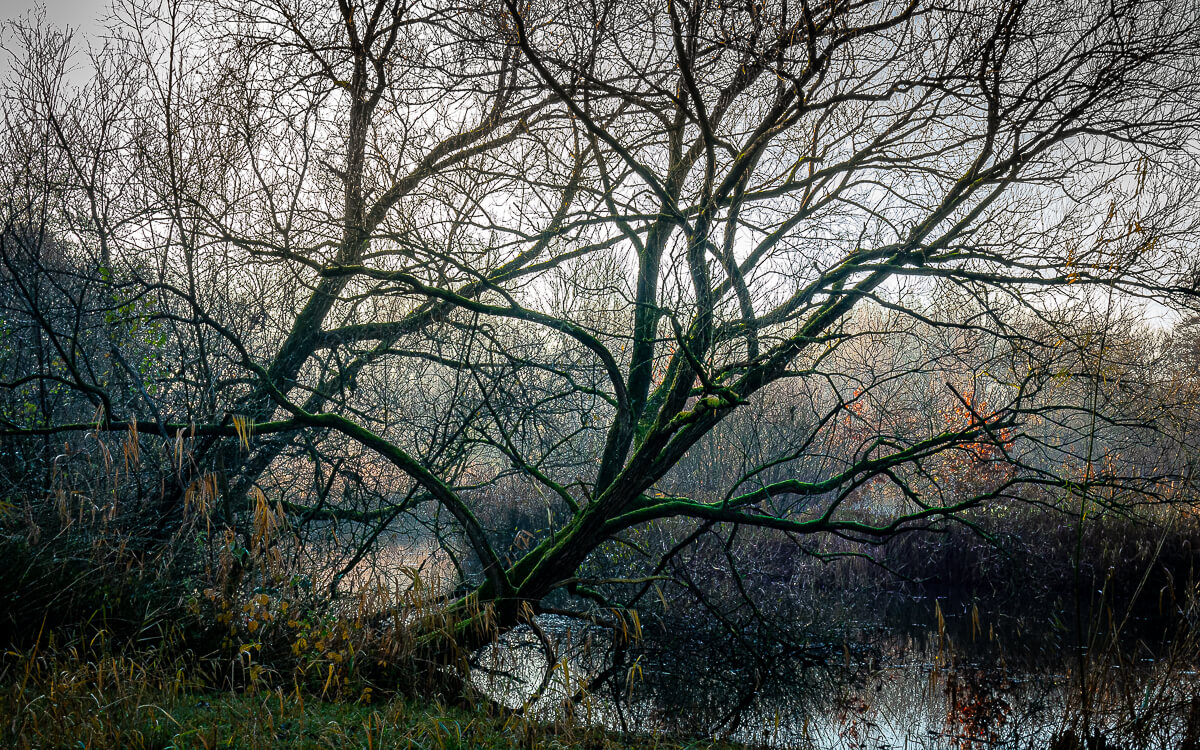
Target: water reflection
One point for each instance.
(924, 690)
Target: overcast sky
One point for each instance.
(74, 13)
(79, 15)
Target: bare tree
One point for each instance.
(566, 245)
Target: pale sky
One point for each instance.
(79, 14)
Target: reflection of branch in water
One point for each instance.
(576, 652)
(551, 660)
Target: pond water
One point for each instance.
(924, 691)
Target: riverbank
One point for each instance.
(77, 715)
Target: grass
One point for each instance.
(280, 720)
(78, 710)
(95, 693)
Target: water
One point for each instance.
(915, 693)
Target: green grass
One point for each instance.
(63, 717)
